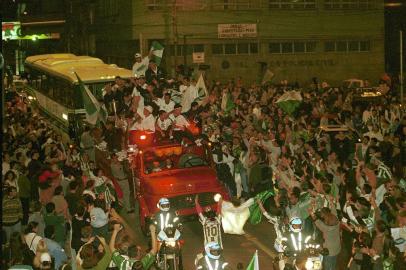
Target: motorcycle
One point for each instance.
(312, 251)
(169, 256)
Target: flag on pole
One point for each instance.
(201, 89)
(290, 101)
(90, 103)
(157, 51)
(94, 111)
(254, 264)
(267, 76)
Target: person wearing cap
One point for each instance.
(148, 120)
(45, 261)
(140, 65)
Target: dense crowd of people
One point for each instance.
(60, 211)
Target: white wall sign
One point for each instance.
(198, 57)
(237, 30)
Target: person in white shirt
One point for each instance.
(189, 94)
(140, 65)
(164, 125)
(181, 125)
(148, 121)
(165, 103)
(374, 133)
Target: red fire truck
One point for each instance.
(178, 172)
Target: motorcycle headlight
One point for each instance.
(171, 243)
(309, 264)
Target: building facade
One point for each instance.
(296, 40)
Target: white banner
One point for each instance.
(237, 30)
(198, 57)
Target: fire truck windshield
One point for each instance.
(162, 159)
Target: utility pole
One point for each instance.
(175, 33)
(401, 67)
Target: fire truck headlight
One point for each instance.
(143, 137)
(217, 197)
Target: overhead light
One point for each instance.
(65, 116)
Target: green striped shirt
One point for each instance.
(125, 263)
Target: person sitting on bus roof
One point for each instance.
(164, 125)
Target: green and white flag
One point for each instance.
(290, 101)
(157, 51)
(201, 89)
(94, 111)
(92, 106)
(254, 264)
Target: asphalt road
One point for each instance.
(237, 248)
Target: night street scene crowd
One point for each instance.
(346, 188)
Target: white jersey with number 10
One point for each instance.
(211, 230)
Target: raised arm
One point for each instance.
(199, 209)
(112, 244)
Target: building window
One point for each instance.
(186, 5)
(217, 49)
(347, 46)
(253, 48)
(347, 4)
(236, 4)
(274, 47)
(291, 4)
(235, 48)
(189, 49)
(292, 47)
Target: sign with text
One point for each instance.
(198, 57)
(10, 30)
(237, 30)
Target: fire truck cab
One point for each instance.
(178, 172)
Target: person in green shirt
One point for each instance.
(130, 261)
(51, 218)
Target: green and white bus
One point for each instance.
(53, 85)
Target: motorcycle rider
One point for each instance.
(164, 217)
(213, 259)
(289, 239)
(168, 226)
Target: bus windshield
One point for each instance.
(174, 157)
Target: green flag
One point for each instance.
(201, 89)
(229, 104)
(255, 211)
(90, 103)
(157, 52)
(289, 101)
(254, 264)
